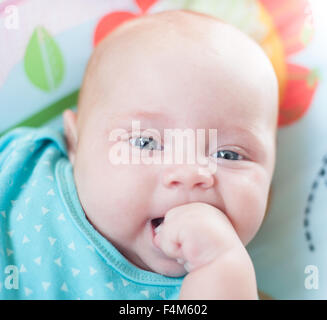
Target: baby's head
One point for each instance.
(173, 70)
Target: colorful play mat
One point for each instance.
(44, 49)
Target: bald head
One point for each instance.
(173, 70)
(180, 37)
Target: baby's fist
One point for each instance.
(195, 234)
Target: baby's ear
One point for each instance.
(70, 127)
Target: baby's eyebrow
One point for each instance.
(146, 115)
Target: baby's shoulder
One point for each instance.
(23, 144)
(12, 142)
(27, 155)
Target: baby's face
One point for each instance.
(222, 82)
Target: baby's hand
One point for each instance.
(196, 234)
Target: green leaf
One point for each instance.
(47, 113)
(43, 61)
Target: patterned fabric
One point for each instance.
(48, 249)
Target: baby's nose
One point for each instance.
(188, 176)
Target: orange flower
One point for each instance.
(290, 25)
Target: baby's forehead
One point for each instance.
(178, 37)
(160, 55)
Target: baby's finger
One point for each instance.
(166, 240)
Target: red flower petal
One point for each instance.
(144, 5)
(294, 22)
(109, 22)
(301, 86)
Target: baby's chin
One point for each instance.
(166, 267)
(154, 260)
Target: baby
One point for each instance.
(91, 228)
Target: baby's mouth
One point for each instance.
(156, 222)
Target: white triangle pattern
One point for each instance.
(28, 291)
(38, 227)
(38, 260)
(25, 239)
(92, 271)
(72, 246)
(52, 240)
(22, 269)
(125, 282)
(44, 210)
(163, 294)
(50, 192)
(75, 272)
(145, 293)
(58, 262)
(61, 217)
(64, 287)
(110, 285)
(10, 233)
(46, 285)
(89, 292)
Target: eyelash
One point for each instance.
(225, 154)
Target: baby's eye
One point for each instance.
(228, 155)
(145, 143)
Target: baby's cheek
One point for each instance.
(247, 203)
